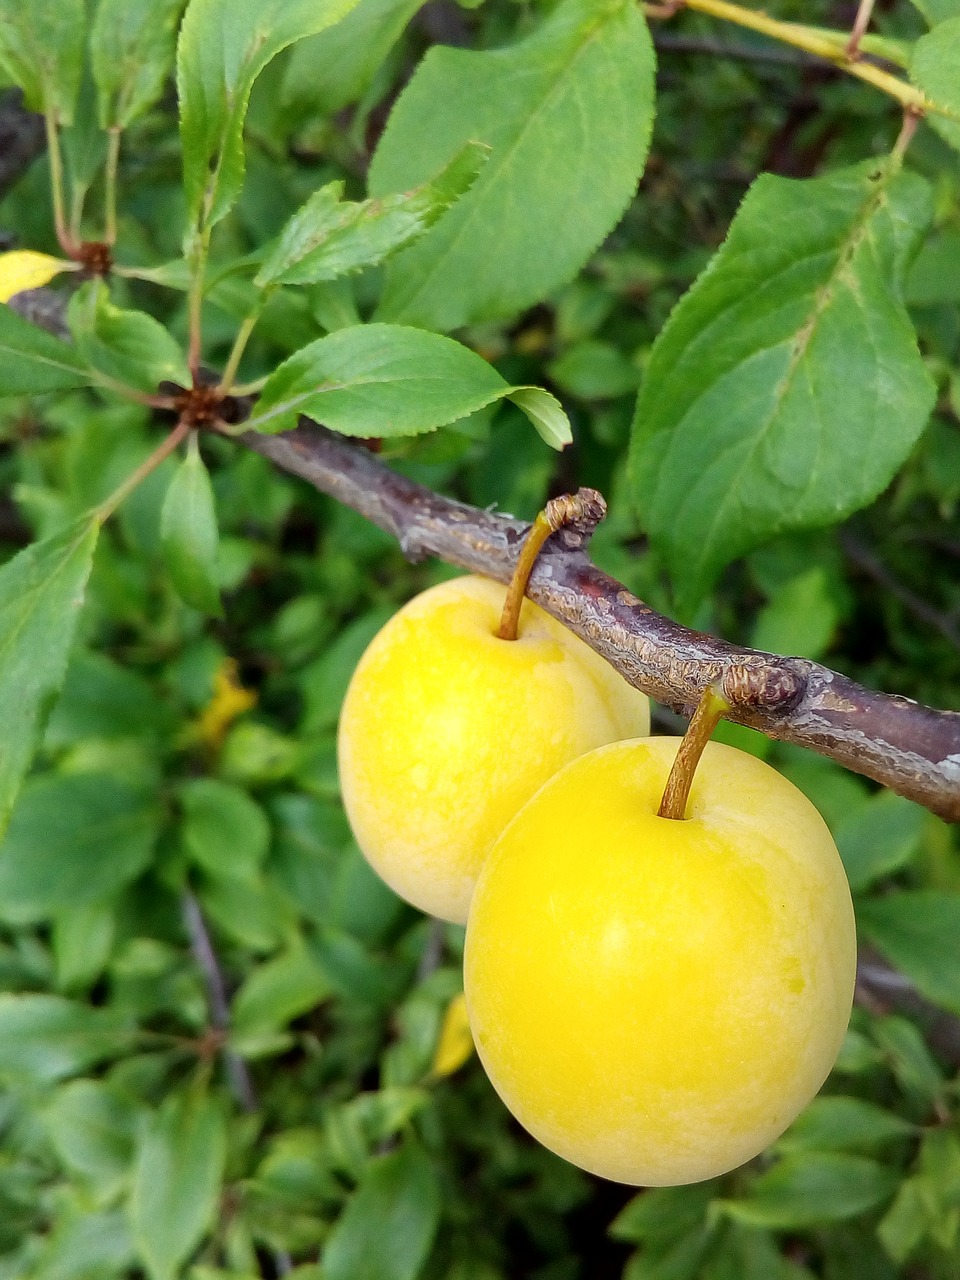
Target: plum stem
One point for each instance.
(711, 709)
(585, 508)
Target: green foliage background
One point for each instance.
(131, 1142)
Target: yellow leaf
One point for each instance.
(455, 1044)
(230, 700)
(24, 269)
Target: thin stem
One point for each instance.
(104, 381)
(859, 29)
(205, 956)
(250, 388)
(198, 268)
(110, 185)
(238, 1074)
(911, 120)
(584, 507)
(162, 451)
(824, 45)
(67, 242)
(239, 346)
(711, 709)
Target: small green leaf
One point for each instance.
(42, 51)
(909, 1058)
(567, 112)
(919, 933)
(91, 1127)
(786, 387)
(328, 72)
(32, 360)
(398, 1201)
(661, 1214)
(390, 380)
(224, 831)
(801, 618)
(879, 838)
(545, 413)
(937, 10)
(905, 1223)
(223, 47)
(132, 46)
(811, 1189)
(329, 237)
(44, 1038)
(41, 591)
(101, 699)
(277, 992)
(188, 532)
(73, 840)
(177, 1181)
(935, 68)
(594, 370)
(843, 1124)
(129, 346)
(82, 938)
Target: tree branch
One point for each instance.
(907, 747)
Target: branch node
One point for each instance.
(578, 513)
(768, 688)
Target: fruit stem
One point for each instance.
(711, 709)
(586, 507)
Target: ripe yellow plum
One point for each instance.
(656, 1000)
(447, 730)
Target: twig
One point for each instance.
(912, 749)
(861, 22)
(868, 562)
(201, 946)
(241, 1083)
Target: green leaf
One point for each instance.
(42, 51)
(223, 47)
(390, 380)
(41, 590)
(329, 237)
(567, 112)
(177, 1180)
(129, 346)
(811, 1189)
(32, 360)
(843, 1124)
(879, 838)
(91, 1127)
(277, 992)
(937, 10)
(101, 699)
(594, 370)
(935, 68)
(328, 72)
(132, 46)
(787, 387)
(188, 532)
(44, 1038)
(224, 831)
(82, 939)
(910, 1060)
(919, 933)
(801, 618)
(74, 840)
(661, 1214)
(388, 1226)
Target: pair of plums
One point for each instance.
(655, 1000)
